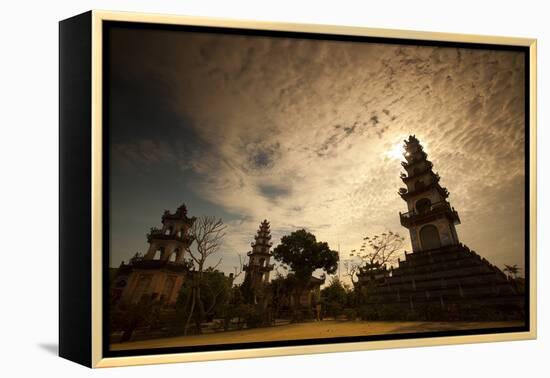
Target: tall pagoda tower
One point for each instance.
(159, 274)
(430, 218)
(442, 279)
(258, 267)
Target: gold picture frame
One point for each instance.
(82, 340)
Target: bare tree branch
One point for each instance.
(351, 269)
(217, 264)
(208, 233)
(380, 250)
(240, 268)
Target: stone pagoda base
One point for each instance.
(448, 283)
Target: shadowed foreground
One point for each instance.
(314, 330)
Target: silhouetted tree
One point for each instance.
(334, 297)
(304, 254)
(512, 270)
(377, 251)
(140, 314)
(208, 233)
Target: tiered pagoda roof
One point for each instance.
(417, 166)
(258, 267)
(435, 210)
(262, 241)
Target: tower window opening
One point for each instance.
(423, 205)
(158, 254)
(429, 237)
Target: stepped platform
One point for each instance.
(451, 282)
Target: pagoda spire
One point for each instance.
(258, 267)
(262, 240)
(430, 218)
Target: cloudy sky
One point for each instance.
(308, 134)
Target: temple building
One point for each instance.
(160, 273)
(312, 293)
(258, 268)
(441, 275)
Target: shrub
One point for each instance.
(254, 319)
(333, 309)
(368, 312)
(412, 315)
(302, 314)
(390, 312)
(434, 312)
(350, 314)
(253, 316)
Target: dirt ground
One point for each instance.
(313, 330)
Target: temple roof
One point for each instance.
(179, 214)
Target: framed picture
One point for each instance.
(236, 189)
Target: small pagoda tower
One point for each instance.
(258, 267)
(159, 274)
(430, 218)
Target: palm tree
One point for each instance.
(512, 270)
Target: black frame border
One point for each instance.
(75, 183)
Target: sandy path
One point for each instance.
(314, 330)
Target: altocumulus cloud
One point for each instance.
(301, 132)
